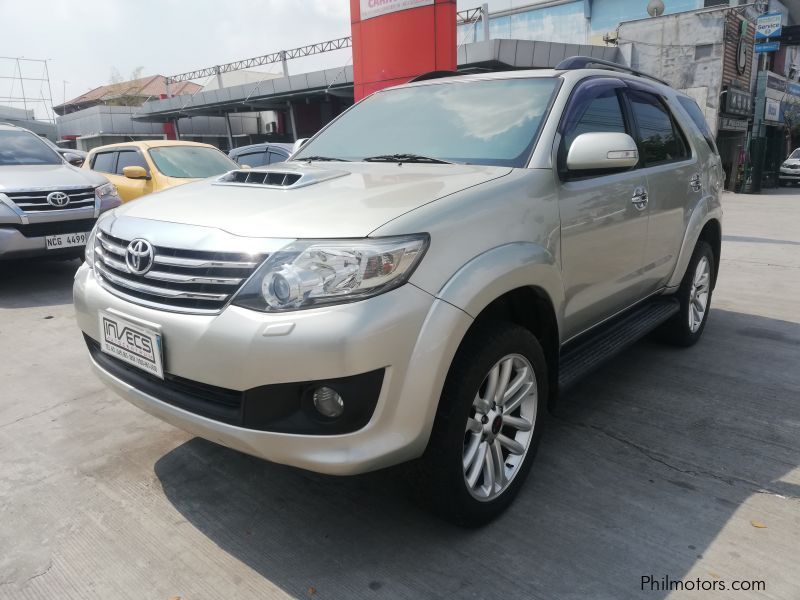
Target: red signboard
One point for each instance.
(396, 40)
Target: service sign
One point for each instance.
(767, 26)
(376, 8)
(772, 110)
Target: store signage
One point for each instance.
(728, 124)
(376, 8)
(767, 47)
(737, 102)
(768, 26)
(772, 111)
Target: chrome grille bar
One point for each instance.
(179, 280)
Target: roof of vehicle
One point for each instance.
(263, 146)
(142, 144)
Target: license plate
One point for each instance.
(132, 343)
(65, 240)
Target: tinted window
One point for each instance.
(598, 112)
(493, 122)
(189, 162)
(23, 148)
(658, 137)
(276, 157)
(104, 162)
(690, 106)
(253, 159)
(130, 158)
(795, 154)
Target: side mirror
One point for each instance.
(74, 159)
(602, 150)
(298, 144)
(135, 172)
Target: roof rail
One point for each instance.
(585, 62)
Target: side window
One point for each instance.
(253, 159)
(276, 157)
(594, 107)
(659, 138)
(130, 158)
(690, 106)
(104, 162)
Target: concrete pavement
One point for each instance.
(667, 462)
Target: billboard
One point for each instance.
(767, 26)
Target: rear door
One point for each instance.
(674, 181)
(603, 232)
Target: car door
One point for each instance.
(105, 162)
(674, 180)
(603, 227)
(130, 189)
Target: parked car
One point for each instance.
(139, 168)
(71, 155)
(421, 281)
(790, 169)
(258, 155)
(47, 207)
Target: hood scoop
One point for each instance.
(287, 177)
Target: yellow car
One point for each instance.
(139, 168)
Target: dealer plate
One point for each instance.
(65, 240)
(132, 343)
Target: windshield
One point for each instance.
(191, 162)
(795, 154)
(490, 122)
(23, 148)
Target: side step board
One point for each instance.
(611, 338)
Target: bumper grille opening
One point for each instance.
(31, 230)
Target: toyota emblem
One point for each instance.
(57, 199)
(139, 256)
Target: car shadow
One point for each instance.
(36, 282)
(641, 468)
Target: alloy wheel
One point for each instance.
(698, 294)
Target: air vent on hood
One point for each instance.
(285, 177)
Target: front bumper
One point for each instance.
(407, 333)
(16, 244)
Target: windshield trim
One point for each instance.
(525, 164)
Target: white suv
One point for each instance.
(47, 206)
(419, 280)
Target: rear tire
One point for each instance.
(694, 294)
(487, 427)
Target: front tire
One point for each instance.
(488, 425)
(694, 294)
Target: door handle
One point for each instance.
(695, 183)
(639, 198)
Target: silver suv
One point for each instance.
(420, 280)
(47, 206)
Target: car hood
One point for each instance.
(330, 200)
(23, 177)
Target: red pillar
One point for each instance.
(169, 126)
(396, 40)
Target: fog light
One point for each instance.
(328, 402)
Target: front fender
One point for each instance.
(707, 208)
(502, 269)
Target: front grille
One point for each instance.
(31, 230)
(180, 280)
(37, 201)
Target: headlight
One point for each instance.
(106, 191)
(309, 273)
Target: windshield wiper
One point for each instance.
(321, 158)
(406, 158)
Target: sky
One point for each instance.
(85, 41)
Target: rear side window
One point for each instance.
(690, 106)
(130, 158)
(659, 137)
(105, 162)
